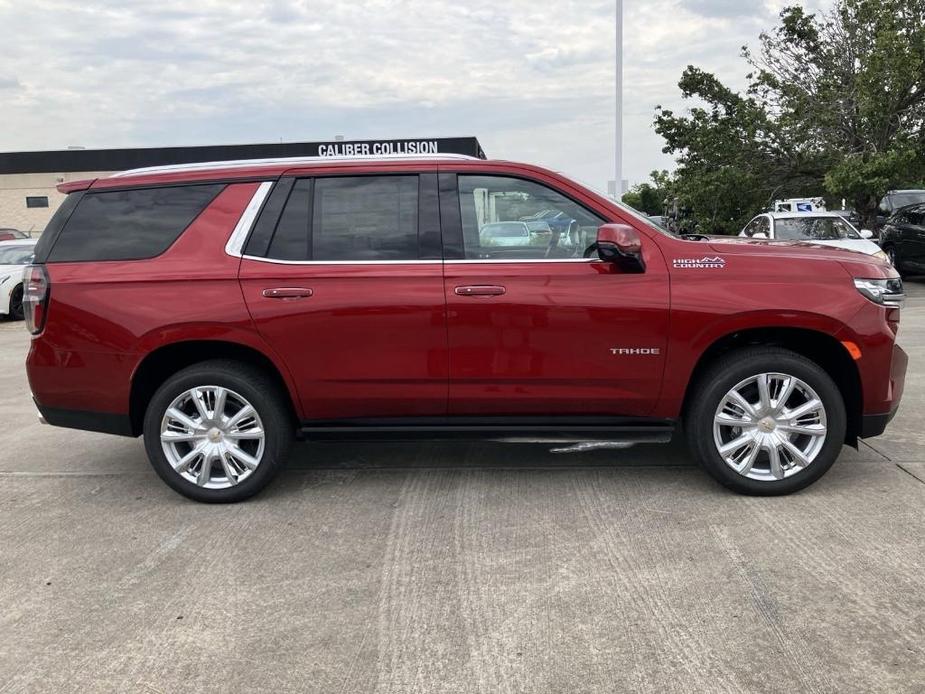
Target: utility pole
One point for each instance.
(618, 143)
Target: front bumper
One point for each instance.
(875, 424)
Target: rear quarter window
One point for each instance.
(130, 224)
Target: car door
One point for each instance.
(912, 237)
(343, 278)
(540, 329)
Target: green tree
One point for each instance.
(649, 198)
(851, 83)
(835, 104)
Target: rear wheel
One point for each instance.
(218, 431)
(16, 309)
(766, 421)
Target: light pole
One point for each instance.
(618, 139)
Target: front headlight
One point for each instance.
(882, 256)
(886, 292)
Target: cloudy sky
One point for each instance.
(533, 79)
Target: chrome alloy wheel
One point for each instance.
(212, 437)
(770, 426)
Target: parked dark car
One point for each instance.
(895, 200)
(903, 239)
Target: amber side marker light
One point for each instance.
(853, 349)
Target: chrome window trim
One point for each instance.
(468, 261)
(277, 261)
(235, 245)
(418, 262)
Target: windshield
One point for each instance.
(16, 255)
(910, 198)
(814, 229)
(623, 206)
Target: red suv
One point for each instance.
(221, 310)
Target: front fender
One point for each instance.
(692, 338)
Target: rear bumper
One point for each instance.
(103, 422)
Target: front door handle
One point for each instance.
(480, 290)
(287, 293)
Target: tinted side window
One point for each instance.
(510, 218)
(290, 240)
(55, 224)
(365, 218)
(130, 224)
(915, 216)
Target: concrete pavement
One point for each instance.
(459, 568)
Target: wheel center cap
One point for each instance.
(767, 425)
(215, 435)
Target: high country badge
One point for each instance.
(707, 263)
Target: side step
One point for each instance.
(502, 429)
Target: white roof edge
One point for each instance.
(294, 161)
(814, 213)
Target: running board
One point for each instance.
(618, 431)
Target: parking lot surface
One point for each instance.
(459, 567)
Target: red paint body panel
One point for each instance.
(397, 340)
(104, 318)
(544, 346)
(369, 342)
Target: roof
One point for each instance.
(75, 160)
(269, 169)
(286, 162)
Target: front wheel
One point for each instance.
(766, 421)
(218, 431)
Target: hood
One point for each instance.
(855, 262)
(794, 249)
(860, 245)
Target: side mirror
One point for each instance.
(759, 235)
(867, 234)
(620, 244)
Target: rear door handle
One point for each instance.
(481, 290)
(287, 293)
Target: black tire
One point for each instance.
(732, 369)
(16, 308)
(264, 395)
(894, 259)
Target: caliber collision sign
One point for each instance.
(365, 149)
(122, 159)
(375, 148)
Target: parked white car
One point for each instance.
(824, 228)
(14, 255)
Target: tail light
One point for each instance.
(35, 287)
